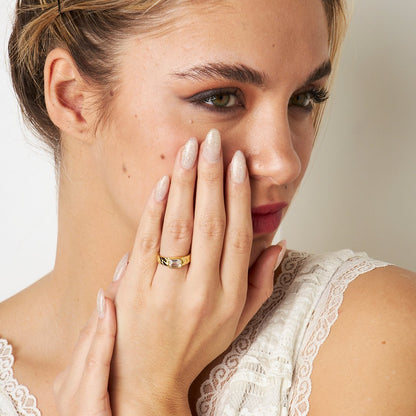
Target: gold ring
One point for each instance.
(174, 262)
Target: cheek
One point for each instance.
(132, 158)
(140, 145)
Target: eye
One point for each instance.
(301, 100)
(222, 99)
(306, 100)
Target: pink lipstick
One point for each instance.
(266, 218)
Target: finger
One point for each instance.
(178, 221)
(146, 246)
(94, 382)
(261, 281)
(239, 233)
(209, 223)
(70, 380)
(120, 270)
(59, 381)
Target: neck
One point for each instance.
(91, 241)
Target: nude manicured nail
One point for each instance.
(238, 167)
(121, 267)
(101, 304)
(162, 188)
(212, 146)
(282, 245)
(189, 153)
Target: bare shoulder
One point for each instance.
(367, 366)
(13, 315)
(20, 314)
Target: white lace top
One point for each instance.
(267, 371)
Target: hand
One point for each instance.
(172, 323)
(82, 388)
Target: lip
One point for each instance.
(267, 218)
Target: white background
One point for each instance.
(360, 189)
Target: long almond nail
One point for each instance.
(101, 304)
(189, 153)
(121, 267)
(212, 146)
(282, 245)
(238, 167)
(162, 188)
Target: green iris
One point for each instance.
(222, 100)
(301, 100)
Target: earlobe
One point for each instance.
(65, 93)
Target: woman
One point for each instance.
(181, 132)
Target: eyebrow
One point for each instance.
(243, 73)
(322, 71)
(236, 72)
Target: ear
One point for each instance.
(66, 93)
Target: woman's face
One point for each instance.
(251, 69)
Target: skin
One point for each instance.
(112, 171)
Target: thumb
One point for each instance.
(261, 281)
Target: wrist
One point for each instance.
(150, 404)
(155, 409)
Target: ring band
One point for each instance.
(174, 262)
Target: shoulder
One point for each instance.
(22, 316)
(368, 363)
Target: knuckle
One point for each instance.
(212, 227)
(153, 216)
(183, 179)
(86, 333)
(92, 363)
(149, 243)
(180, 229)
(241, 239)
(199, 307)
(232, 310)
(211, 176)
(103, 334)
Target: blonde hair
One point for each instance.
(90, 30)
(336, 12)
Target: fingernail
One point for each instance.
(162, 188)
(238, 167)
(189, 153)
(121, 267)
(212, 146)
(282, 245)
(101, 304)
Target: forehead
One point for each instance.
(284, 37)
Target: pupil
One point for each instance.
(222, 99)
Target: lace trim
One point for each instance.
(212, 387)
(267, 369)
(23, 402)
(325, 315)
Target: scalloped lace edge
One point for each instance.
(319, 329)
(23, 402)
(219, 375)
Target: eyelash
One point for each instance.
(203, 99)
(316, 96)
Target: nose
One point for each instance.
(270, 151)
